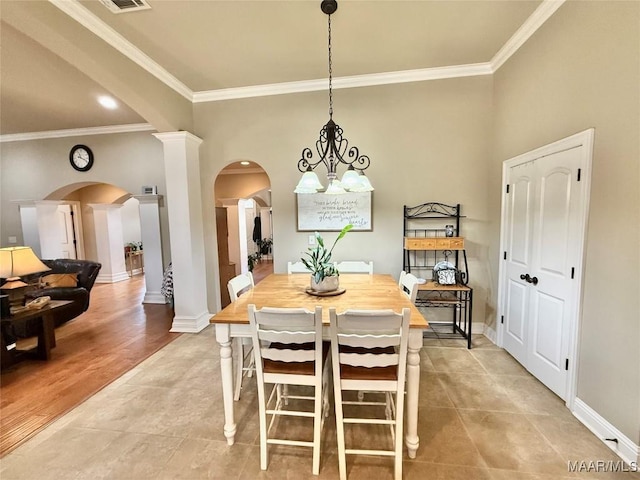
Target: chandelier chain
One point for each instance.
(330, 73)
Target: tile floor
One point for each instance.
(482, 416)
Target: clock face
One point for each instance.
(81, 158)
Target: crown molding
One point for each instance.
(76, 132)
(526, 30)
(84, 17)
(354, 81)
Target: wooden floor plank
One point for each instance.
(114, 335)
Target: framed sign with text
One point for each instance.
(322, 212)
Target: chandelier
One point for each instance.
(332, 148)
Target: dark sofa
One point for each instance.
(86, 272)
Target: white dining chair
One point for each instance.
(355, 267)
(244, 357)
(297, 267)
(409, 285)
(289, 351)
(369, 354)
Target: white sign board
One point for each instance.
(322, 212)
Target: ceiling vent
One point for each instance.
(120, 6)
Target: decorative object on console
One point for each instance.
(448, 230)
(324, 273)
(81, 158)
(332, 148)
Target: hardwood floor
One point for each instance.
(114, 335)
(261, 269)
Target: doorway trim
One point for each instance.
(584, 141)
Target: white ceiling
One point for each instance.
(205, 46)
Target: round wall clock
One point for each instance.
(81, 158)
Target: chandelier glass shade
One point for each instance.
(333, 148)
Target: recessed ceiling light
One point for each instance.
(107, 102)
(245, 163)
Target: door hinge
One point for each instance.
(566, 364)
(502, 319)
(504, 256)
(507, 188)
(579, 173)
(71, 212)
(573, 272)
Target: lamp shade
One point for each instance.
(309, 183)
(19, 261)
(350, 179)
(335, 188)
(364, 185)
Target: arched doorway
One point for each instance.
(243, 219)
(100, 222)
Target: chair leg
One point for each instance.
(239, 366)
(342, 456)
(317, 426)
(399, 415)
(262, 413)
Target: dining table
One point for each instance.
(361, 291)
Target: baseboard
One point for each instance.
(491, 334)
(624, 448)
(478, 328)
(154, 297)
(112, 277)
(184, 324)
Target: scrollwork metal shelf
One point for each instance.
(424, 248)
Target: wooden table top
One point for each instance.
(37, 312)
(363, 291)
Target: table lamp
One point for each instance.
(16, 262)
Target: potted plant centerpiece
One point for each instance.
(324, 274)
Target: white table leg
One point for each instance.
(413, 387)
(223, 337)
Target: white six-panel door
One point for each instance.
(544, 217)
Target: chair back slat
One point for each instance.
(374, 321)
(238, 284)
(288, 355)
(285, 319)
(409, 285)
(297, 267)
(369, 360)
(287, 335)
(380, 340)
(355, 267)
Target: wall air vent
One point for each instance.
(120, 6)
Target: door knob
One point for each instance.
(528, 278)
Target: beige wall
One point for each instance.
(427, 142)
(244, 185)
(582, 70)
(32, 170)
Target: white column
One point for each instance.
(186, 230)
(29, 222)
(50, 228)
(107, 220)
(151, 240)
